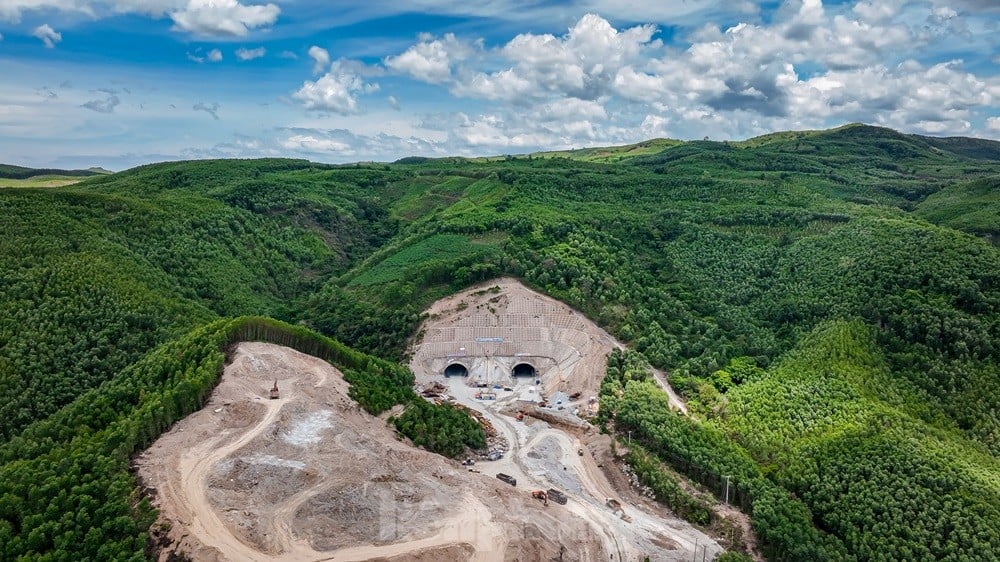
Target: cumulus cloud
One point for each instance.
(580, 64)
(431, 60)
(320, 57)
(810, 66)
(202, 17)
(250, 54)
(212, 109)
(336, 91)
(48, 35)
(993, 124)
(223, 17)
(215, 55)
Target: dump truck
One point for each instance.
(507, 478)
(541, 495)
(557, 496)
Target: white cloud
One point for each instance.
(580, 64)
(431, 60)
(393, 102)
(336, 91)
(993, 124)
(310, 143)
(48, 35)
(320, 57)
(223, 17)
(215, 55)
(250, 54)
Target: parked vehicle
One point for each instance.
(507, 478)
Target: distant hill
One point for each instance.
(8, 171)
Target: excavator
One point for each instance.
(541, 495)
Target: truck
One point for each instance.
(507, 478)
(557, 496)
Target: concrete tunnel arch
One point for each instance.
(456, 370)
(524, 370)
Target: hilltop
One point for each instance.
(826, 303)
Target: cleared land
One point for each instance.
(41, 181)
(310, 476)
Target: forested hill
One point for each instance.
(828, 303)
(19, 172)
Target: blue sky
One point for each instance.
(118, 83)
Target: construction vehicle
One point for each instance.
(616, 506)
(507, 478)
(580, 451)
(541, 495)
(274, 391)
(520, 416)
(557, 496)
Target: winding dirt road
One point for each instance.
(183, 481)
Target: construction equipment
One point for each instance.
(580, 451)
(507, 478)
(274, 391)
(616, 506)
(541, 495)
(557, 496)
(520, 416)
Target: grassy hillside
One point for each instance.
(971, 207)
(824, 300)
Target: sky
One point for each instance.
(119, 83)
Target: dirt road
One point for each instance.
(657, 535)
(311, 477)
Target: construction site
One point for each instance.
(282, 465)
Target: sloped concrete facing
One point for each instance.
(491, 328)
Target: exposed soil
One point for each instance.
(310, 476)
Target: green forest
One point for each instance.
(827, 303)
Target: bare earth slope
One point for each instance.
(310, 476)
(489, 329)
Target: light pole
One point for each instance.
(727, 489)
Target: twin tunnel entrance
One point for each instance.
(519, 370)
